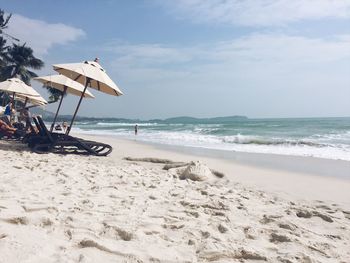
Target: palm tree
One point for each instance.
(3, 47)
(3, 24)
(4, 20)
(15, 60)
(3, 51)
(55, 94)
(19, 59)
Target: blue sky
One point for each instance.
(199, 58)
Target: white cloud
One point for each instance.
(40, 35)
(258, 49)
(272, 48)
(257, 75)
(257, 12)
(146, 53)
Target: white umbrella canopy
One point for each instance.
(15, 85)
(66, 85)
(39, 101)
(61, 82)
(93, 72)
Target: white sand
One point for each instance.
(71, 208)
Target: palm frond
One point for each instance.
(4, 21)
(35, 63)
(55, 94)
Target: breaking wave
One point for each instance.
(322, 138)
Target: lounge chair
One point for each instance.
(48, 141)
(34, 134)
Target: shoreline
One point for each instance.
(337, 168)
(326, 167)
(241, 155)
(260, 173)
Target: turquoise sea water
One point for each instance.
(319, 137)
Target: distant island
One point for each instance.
(186, 119)
(48, 116)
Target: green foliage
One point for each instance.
(3, 51)
(55, 94)
(3, 24)
(19, 59)
(4, 20)
(16, 60)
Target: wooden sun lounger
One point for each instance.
(48, 141)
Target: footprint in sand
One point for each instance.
(290, 227)
(69, 234)
(222, 228)
(17, 220)
(346, 214)
(250, 232)
(46, 222)
(116, 232)
(228, 256)
(205, 234)
(309, 214)
(276, 238)
(267, 219)
(86, 203)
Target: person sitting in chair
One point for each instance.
(8, 131)
(64, 126)
(8, 110)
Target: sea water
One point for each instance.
(318, 137)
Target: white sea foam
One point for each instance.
(239, 143)
(126, 124)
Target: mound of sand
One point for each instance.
(196, 171)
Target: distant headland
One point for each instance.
(47, 115)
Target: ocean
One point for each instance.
(318, 137)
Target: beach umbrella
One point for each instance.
(38, 101)
(17, 86)
(66, 85)
(91, 74)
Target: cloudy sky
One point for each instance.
(204, 58)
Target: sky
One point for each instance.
(202, 58)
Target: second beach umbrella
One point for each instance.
(66, 85)
(91, 74)
(38, 101)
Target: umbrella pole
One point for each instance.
(76, 110)
(13, 106)
(58, 109)
(25, 103)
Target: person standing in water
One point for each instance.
(136, 129)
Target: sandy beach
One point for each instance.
(187, 131)
(71, 208)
